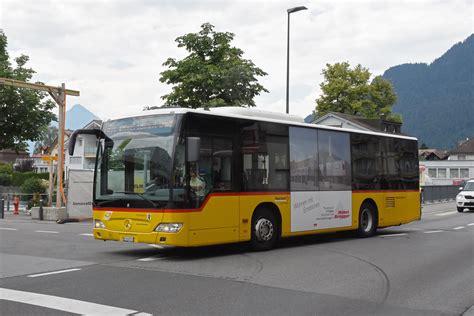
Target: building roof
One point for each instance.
(465, 147)
(374, 125)
(432, 154)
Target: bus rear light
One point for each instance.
(169, 227)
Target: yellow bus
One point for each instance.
(184, 177)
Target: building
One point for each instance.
(10, 155)
(456, 168)
(358, 123)
(85, 150)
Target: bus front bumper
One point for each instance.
(179, 239)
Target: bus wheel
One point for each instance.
(367, 220)
(264, 230)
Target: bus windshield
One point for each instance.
(135, 166)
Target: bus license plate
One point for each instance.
(128, 238)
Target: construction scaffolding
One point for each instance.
(58, 94)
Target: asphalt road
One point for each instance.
(423, 268)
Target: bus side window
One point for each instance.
(222, 164)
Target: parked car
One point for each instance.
(465, 198)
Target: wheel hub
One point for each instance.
(264, 229)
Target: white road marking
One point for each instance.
(5, 228)
(148, 259)
(90, 235)
(470, 224)
(445, 213)
(63, 304)
(433, 231)
(156, 246)
(394, 235)
(459, 227)
(46, 231)
(54, 272)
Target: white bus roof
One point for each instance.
(257, 115)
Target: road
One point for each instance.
(423, 268)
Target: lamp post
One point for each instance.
(289, 11)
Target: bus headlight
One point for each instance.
(169, 227)
(98, 224)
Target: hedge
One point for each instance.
(18, 178)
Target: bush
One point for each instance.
(34, 185)
(18, 178)
(6, 171)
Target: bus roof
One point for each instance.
(258, 115)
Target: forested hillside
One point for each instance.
(436, 101)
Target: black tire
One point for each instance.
(367, 220)
(460, 209)
(265, 230)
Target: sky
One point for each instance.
(113, 51)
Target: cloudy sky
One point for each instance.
(112, 51)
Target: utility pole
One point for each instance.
(59, 96)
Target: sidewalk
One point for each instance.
(24, 217)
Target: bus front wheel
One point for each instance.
(367, 220)
(264, 230)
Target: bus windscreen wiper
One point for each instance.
(140, 195)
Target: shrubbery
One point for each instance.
(18, 178)
(6, 171)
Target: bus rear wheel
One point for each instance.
(367, 220)
(265, 230)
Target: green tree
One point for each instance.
(213, 74)
(46, 140)
(23, 112)
(349, 91)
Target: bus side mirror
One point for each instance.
(97, 132)
(193, 147)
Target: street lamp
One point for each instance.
(291, 10)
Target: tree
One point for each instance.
(46, 139)
(213, 74)
(23, 112)
(348, 91)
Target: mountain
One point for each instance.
(77, 117)
(436, 100)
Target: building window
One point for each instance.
(454, 173)
(432, 173)
(442, 173)
(464, 173)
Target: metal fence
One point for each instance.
(436, 193)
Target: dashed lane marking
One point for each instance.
(64, 304)
(46, 231)
(5, 228)
(433, 231)
(394, 235)
(53, 272)
(156, 246)
(90, 235)
(148, 259)
(470, 224)
(445, 213)
(459, 227)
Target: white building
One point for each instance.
(457, 168)
(84, 151)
